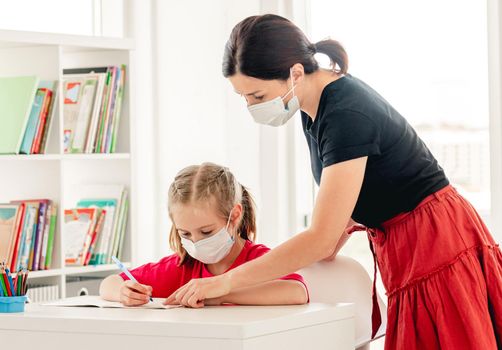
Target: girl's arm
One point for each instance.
(279, 292)
(338, 193)
(129, 293)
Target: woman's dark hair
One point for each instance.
(267, 46)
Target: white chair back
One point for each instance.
(344, 280)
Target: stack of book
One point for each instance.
(92, 107)
(26, 114)
(27, 231)
(94, 230)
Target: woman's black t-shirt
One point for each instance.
(354, 121)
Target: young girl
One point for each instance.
(213, 231)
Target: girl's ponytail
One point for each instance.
(336, 53)
(247, 227)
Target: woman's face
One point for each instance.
(199, 221)
(256, 90)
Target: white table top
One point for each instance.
(227, 322)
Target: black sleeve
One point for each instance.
(346, 135)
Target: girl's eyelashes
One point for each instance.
(206, 232)
(259, 98)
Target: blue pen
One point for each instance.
(125, 270)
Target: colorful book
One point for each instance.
(35, 147)
(16, 100)
(100, 252)
(53, 86)
(8, 219)
(50, 241)
(78, 225)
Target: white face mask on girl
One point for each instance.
(210, 250)
(273, 112)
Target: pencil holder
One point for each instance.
(12, 304)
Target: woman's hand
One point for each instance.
(194, 293)
(352, 227)
(134, 294)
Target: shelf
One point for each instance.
(75, 270)
(44, 273)
(36, 157)
(70, 156)
(95, 156)
(58, 175)
(14, 38)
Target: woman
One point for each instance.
(440, 266)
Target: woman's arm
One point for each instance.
(338, 193)
(341, 242)
(279, 292)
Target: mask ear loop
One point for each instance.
(293, 87)
(228, 222)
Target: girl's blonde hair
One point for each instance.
(205, 182)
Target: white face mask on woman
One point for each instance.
(273, 112)
(213, 249)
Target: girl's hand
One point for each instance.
(194, 293)
(134, 294)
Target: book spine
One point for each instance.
(25, 257)
(50, 242)
(32, 124)
(118, 111)
(19, 227)
(96, 233)
(35, 147)
(103, 113)
(39, 235)
(50, 118)
(43, 249)
(116, 83)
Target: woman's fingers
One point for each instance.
(194, 301)
(194, 292)
(177, 296)
(186, 297)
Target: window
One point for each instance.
(55, 16)
(429, 60)
(80, 17)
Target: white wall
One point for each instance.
(199, 116)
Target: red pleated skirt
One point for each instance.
(443, 274)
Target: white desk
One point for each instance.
(313, 326)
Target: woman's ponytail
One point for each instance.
(336, 53)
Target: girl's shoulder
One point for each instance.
(167, 262)
(254, 250)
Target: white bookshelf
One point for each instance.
(55, 175)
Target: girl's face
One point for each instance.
(200, 221)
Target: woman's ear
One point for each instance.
(297, 73)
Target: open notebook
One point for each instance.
(96, 301)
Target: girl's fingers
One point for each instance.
(131, 302)
(131, 294)
(141, 288)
